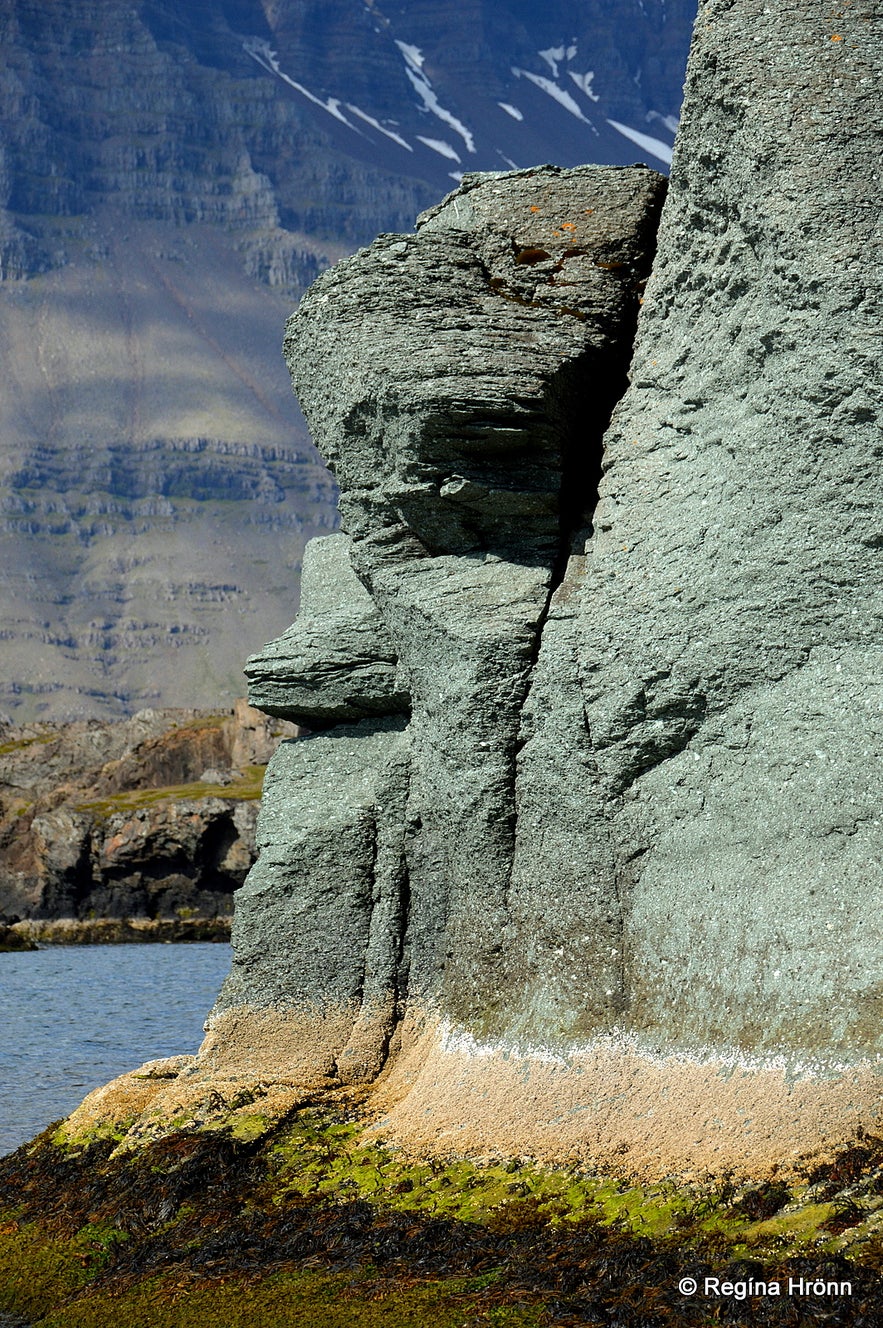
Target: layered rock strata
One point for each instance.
(612, 891)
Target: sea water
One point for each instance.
(73, 1017)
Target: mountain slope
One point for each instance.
(171, 180)
(156, 470)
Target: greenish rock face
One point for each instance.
(730, 649)
(458, 382)
(641, 817)
(336, 662)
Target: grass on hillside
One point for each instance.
(246, 788)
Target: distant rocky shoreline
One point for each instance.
(31, 934)
(129, 831)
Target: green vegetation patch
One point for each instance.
(245, 789)
(308, 1223)
(102, 1131)
(322, 1155)
(20, 744)
(317, 1155)
(281, 1300)
(36, 1271)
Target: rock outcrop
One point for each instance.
(337, 661)
(136, 830)
(610, 890)
(459, 383)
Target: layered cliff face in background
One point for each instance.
(136, 829)
(151, 478)
(589, 856)
(170, 181)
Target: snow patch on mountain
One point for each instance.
(414, 59)
(671, 122)
(440, 146)
(369, 119)
(261, 50)
(646, 141)
(556, 54)
(565, 79)
(553, 90)
(584, 83)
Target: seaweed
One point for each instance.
(200, 1209)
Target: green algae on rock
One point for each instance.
(314, 1219)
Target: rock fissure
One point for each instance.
(581, 471)
(380, 997)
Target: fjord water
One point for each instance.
(74, 1017)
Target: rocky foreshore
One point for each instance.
(134, 830)
(311, 1224)
(32, 934)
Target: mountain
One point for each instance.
(171, 180)
(430, 91)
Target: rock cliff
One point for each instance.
(464, 428)
(135, 830)
(585, 860)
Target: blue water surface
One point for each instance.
(73, 1017)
